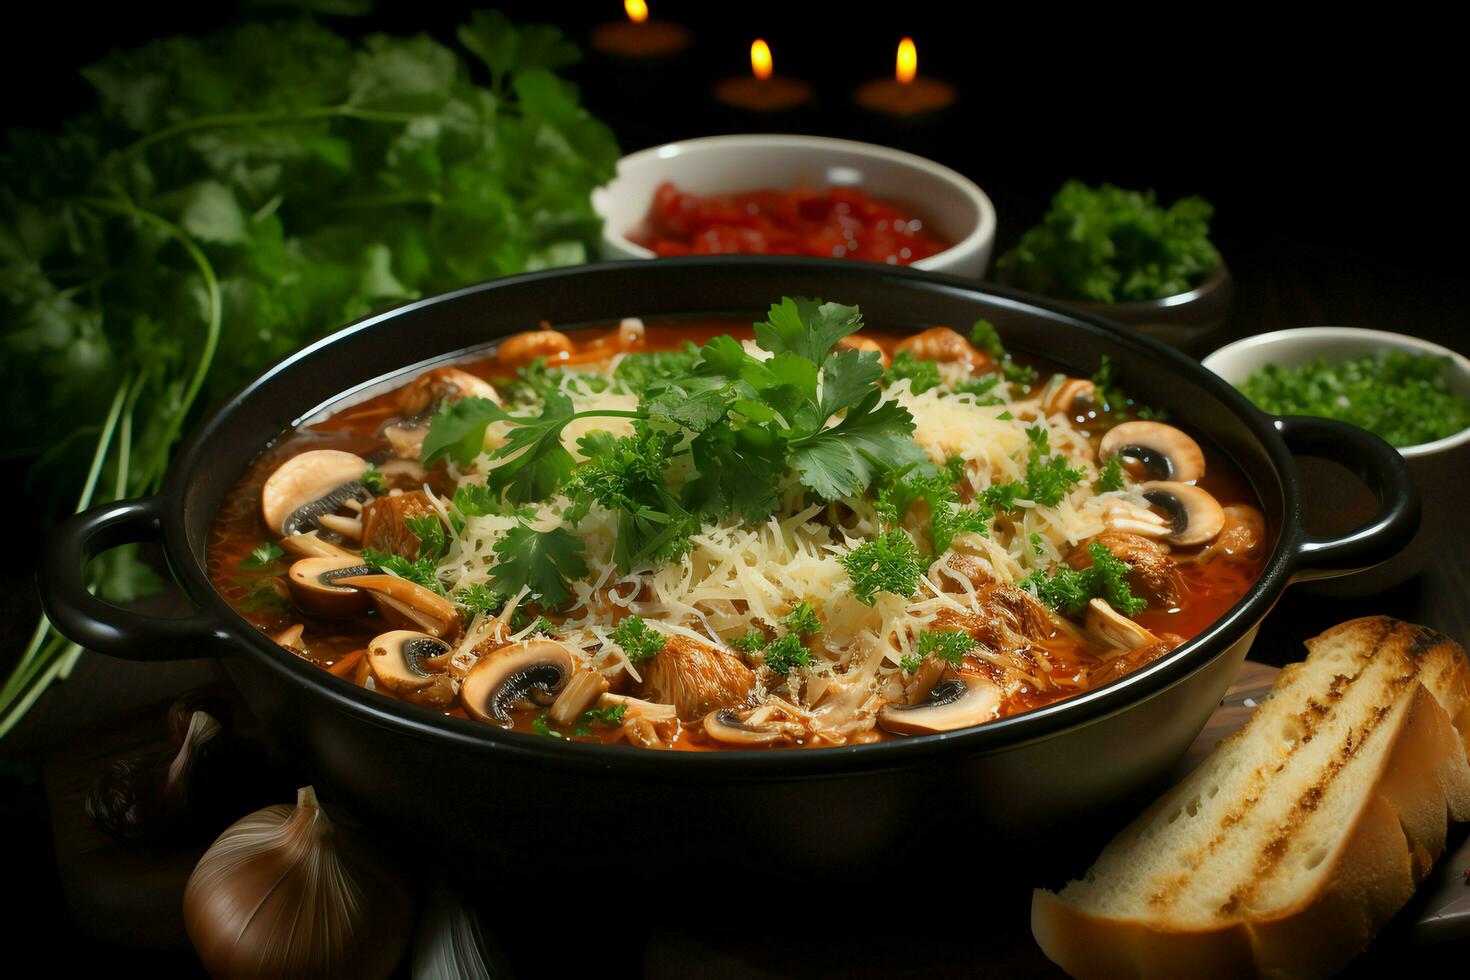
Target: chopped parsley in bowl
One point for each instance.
(1403, 397)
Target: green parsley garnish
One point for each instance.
(1068, 590)
(610, 717)
(433, 541)
(802, 620)
(985, 338)
(373, 480)
(948, 645)
(786, 654)
(921, 375)
(262, 556)
(479, 598)
(947, 516)
(1110, 477)
(546, 561)
(540, 727)
(423, 571)
(888, 563)
(638, 640)
(751, 642)
(1111, 245)
(1402, 397)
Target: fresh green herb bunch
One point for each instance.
(232, 197)
(1111, 245)
(1068, 590)
(1402, 397)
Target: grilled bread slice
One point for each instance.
(1286, 850)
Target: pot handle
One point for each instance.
(96, 625)
(1388, 531)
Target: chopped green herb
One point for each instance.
(948, 645)
(1005, 416)
(263, 556)
(921, 375)
(1038, 544)
(786, 654)
(638, 640)
(544, 561)
(1404, 398)
(910, 663)
(373, 480)
(751, 642)
(1111, 476)
(479, 598)
(423, 571)
(1050, 479)
(1020, 375)
(1003, 496)
(888, 563)
(610, 717)
(1111, 245)
(985, 337)
(1068, 590)
(802, 620)
(433, 541)
(540, 727)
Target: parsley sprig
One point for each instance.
(1068, 590)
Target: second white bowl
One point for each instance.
(951, 205)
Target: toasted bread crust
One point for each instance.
(1401, 807)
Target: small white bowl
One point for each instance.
(1439, 467)
(951, 205)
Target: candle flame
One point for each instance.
(637, 10)
(760, 58)
(908, 61)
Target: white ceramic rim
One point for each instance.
(1397, 341)
(984, 229)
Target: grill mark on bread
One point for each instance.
(1169, 891)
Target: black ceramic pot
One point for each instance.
(517, 804)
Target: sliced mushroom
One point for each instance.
(291, 639)
(581, 692)
(1126, 517)
(958, 701)
(651, 711)
(412, 665)
(310, 545)
(1195, 516)
(1111, 630)
(725, 725)
(1242, 536)
(434, 387)
(404, 601)
(1069, 396)
(315, 587)
(696, 677)
(310, 485)
(1162, 451)
(532, 671)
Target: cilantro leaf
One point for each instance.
(423, 571)
(806, 327)
(263, 556)
(921, 375)
(888, 563)
(457, 430)
(845, 459)
(544, 561)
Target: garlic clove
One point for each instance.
(452, 942)
(288, 891)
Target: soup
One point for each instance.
(708, 535)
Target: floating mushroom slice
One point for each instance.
(1195, 517)
(725, 725)
(956, 702)
(1069, 396)
(434, 387)
(316, 589)
(532, 671)
(1126, 517)
(291, 639)
(1163, 452)
(407, 601)
(1111, 630)
(310, 485)
(310, 545)
(412, 665)
(581, 692)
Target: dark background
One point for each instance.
(1330, 147)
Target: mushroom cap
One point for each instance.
(309, 485)
(1196, 515)
(958, 701)
(315, 587)
(408, 601)
(533, 670)
(428, 390)
(403, 661)
(1110, 629)
(1165, 452)
(724, 725)
(1063, 396)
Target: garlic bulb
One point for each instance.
(285, 892)
(452, 943)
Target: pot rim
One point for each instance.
(999, 735)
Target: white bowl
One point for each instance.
(1439, 467)
(950, 204)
